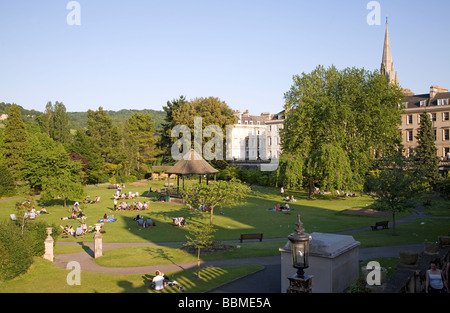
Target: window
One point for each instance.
(445, 116)
(433, 117)
(435, 134)
(446, 134)
(409, 119)
(423, 103)
(409, 135)
(442, 102)
(447, 152)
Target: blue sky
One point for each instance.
(140, 54)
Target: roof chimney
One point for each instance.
(434, 90)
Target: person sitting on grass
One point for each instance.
(158, 281)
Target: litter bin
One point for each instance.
(167, 199)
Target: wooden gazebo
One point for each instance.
(191, 163)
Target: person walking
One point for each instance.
(435, 282)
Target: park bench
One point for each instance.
(383, 224)
(250, 236)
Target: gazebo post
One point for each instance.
(168, 184)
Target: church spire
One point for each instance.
(387, 64)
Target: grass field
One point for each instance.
(325, 214)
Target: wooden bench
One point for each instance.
(383, 224)
(250, 236)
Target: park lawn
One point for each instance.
(135, 256)
(44, 277)
(320, 215)
(416, 231)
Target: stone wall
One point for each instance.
(411, 279)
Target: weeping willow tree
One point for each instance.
(337, 123)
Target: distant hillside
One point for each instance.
(26, 114)
(78, 120)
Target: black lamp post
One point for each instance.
(300, 283)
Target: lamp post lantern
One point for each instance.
(299, 282)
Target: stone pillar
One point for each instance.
(48, 255)
(333, 262)
(298, 284)
(98, 242)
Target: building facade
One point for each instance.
(436, 104)
(255, 137)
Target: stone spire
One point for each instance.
(387, 65)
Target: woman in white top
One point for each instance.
(158, 281)
(435, 282)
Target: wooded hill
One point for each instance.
(78, 120)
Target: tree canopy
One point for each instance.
(214, 194)
(340, 119)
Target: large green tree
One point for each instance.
(15, 143)
(215, 194)
(394, 185)
(169, 123)
(55, 122)
(140, 142)
(426, 161)
(346, 117)
(211, 110)
(83, 147)
(104, 135)
(51, 171)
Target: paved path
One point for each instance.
(264, 281)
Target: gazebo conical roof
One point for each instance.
(192, 163)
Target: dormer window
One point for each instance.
(442, 102)
(423, 103)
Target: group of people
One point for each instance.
(88, 200)
(76, 213)
(179, 221)
(37, 212)
(137, 206)
(123, 196)
(71, 231)
(282, 208)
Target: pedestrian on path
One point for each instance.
(435, 282)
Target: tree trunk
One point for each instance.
(198, 263)
(311, 188)
(394, 231)
(211, 216)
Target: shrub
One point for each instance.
(38, 233)
(16, 251)
(444, 187)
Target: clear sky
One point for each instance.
(139, 54)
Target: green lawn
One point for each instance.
(325, 214)
(44, 277)
(321, 215)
